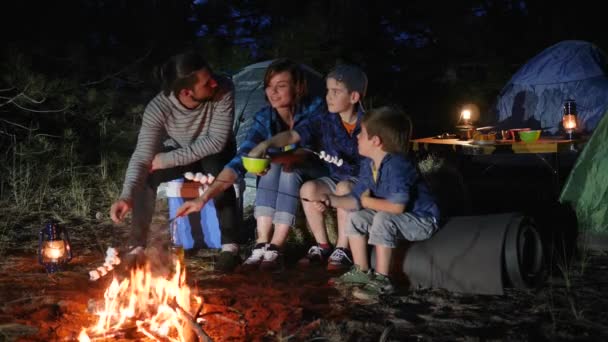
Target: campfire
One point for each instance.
(158, 306)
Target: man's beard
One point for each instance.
(203, 99)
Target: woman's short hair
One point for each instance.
(297, 75)
(179, 72)
(391, 125)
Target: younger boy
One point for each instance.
(391, 199)
(334, 134)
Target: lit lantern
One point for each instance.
(54, 249)
(466, 116)
(569, 118)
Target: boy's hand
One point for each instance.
(364, 197)
(190, 207)
(365, 193)
(323, 203)
(259, 151)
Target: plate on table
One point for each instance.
(483, 142)
(446, 136)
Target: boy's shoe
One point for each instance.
(227, 261)
(353, 277)
(315, 256)
(273, 260)
(340, 259)
(380, 285)
(256, 257)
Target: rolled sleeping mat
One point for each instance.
(474, 254)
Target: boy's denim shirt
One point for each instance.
(325, 132)
(267, 123)
(398, 182)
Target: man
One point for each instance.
(186, 127)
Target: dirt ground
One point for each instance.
(298, 305)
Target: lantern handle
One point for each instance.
(40, 235)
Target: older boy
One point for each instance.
(391, 199)
(336, 136)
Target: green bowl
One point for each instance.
(529, 136)
(255, 165)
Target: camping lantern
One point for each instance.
(569, 118)
(54, 249)
(465, 115)
(468, 114)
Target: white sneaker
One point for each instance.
(256, 257)
(273, 261)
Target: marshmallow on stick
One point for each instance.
(112, 259)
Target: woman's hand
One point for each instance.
(191, 207)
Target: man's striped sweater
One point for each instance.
(194, 133)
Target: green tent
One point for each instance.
(586, 188)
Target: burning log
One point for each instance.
(191, 323)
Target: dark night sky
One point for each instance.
(411, 50)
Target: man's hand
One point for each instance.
(156, 163)
(260, 150)
(191, 207)
(119, 210)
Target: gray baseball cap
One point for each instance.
(351, 76)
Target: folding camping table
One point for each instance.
(546, 149)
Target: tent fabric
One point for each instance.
(586, 188)
(536, 92)
(250, 98)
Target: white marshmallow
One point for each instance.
(93, 275)
(102, 270)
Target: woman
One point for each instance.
(278, 187)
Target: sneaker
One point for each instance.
(353, 277)
(315, 256)
(380, 285)
(256, 257)
(273, 261)
(227, 261)
(340, 259)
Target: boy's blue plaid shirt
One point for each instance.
(267, 123)
(398, 181)
(325, 132)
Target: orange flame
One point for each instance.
(148, 300)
